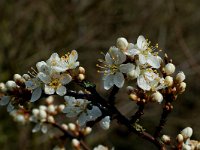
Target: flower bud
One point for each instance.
(49, 100)
(157, 97)
(186, 147)
(122, 43)
(81, 76)
(51, 109)
(166, 139)
(133, 97)
(51, 119)
(81, 70)
(187, 132)
(72, 126)
(180, 77)
(64, 126)
(61, 107)
(129, 89)
(42, 114)
(168, 80)
(182, 86)
(26, 76)
(3, 87)
(11, 85)
(88, 130)
(20, 118)
(35, 112)
(75, 143)
(17, 77)
(42, 107)
(132, 74)
(179, 138)
(169, 68)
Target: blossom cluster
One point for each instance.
(141, 64)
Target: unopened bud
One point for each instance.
(179, 138)
(51, 119)
(26, 76)
(88, 130)
(132, 74)
(182, 86)
(129, 89)
(75, 143)
(187, 132)
(168, 80)
(17, 77)
(81, 70)
(122, 43)
(133, 97)
(72, 126)
(81, 76)
(64, 126)
(165, 139)
(42, 114)
(61, 107)
(3, 87)
(20, 118)
(157, 97)
(11, 85)
(180, 77)
(42, 107)
(169, 68)
(35, 112)
(51, 109)
(49, 100)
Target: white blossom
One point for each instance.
(105, 123)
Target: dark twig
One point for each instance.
(112, 95)
(138, 113)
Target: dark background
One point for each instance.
(31, 30)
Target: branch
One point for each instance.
(112, 95)
(139, 113)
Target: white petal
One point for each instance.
(44, 129)
(4, 100)
(65, 79)
(43, 77)
(142, 43)
(54, 58)
(42, 67)
(94, 113)
(61, 90)
(108, 82)
(69, 99)
(119, 79)
(133, 52)
(49, 90)
(142, 59)
(36, 128)
(125, 68)
(105, 123)
(36, 94)
(153, 61)
(73, 56)
(142, 83)
(10, 107)
(117, 55)
(108, 59)
(82, 119)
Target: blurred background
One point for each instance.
(31, 30)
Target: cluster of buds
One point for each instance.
(184, 141)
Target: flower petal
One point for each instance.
(108, 81)
(44, 129)
(4, 100)
(142, 59)
(125, 68)
(65, 79)
(36, 94)
(49, 90)
(153, 61)
(142, 83)
(61, 90)
(133, 52)
(142, 43)
(36, 128)
(117, 55)
(119, 79)
(10, 107)
(43, 77)
(108, 59)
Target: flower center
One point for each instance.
(55, 83)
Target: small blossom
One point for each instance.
(157, 97)
(105, 123)
(180, 77)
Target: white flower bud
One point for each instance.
(157, 97)
(187, 132)
(17, 77)
(35, 112)
(88, 130)
(180, 77)
(64, 126)
(169, 68)
(50, 100)
(81, 70)
(72, 126)
(168, 80)
(26, 76)
(3, 87)
(42, 107)
(51, 119)
(42, 114)
(51, 109)
(129, 88)
(75, 143)
(122, 43)
(133, 97)
(11, 85)
(61, 107)
(179, 138)
(166, 139)
(132, 74)
(20, 118)
(182, 86)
